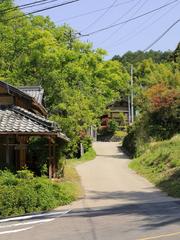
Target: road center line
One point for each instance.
(15, 231)
(161, 236)
(27, 223)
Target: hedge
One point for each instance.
(22, 193)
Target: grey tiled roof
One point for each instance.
(34, 91)
(16, 119)
(34, 96)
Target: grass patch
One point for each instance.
(71, 175)
(88, 156)
(160, 164)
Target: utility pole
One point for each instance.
(132, 96)
(129, 110)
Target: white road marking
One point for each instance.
(34, 216)
(15, 231)
(28, 223)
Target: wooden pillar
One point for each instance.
(50, 157)
(22, 151)
(54, 161)
(7, 150)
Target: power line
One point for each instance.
(29, 5)
(44, 9)
(32, 3)
(132, 35)
(129, 10)
(23, 5)
(162, 35)
(39, 4)
(101, 16)
(94, 11)
(126, 21)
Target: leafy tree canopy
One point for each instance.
(78, 82)
(139, 56)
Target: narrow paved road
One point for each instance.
(118, 205)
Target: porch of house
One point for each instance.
(16, 154)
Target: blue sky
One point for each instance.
(136, 35)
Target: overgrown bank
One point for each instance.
(161, 165)
(154, 138)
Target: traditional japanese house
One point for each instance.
(22, 116)
(113, 112)
(116, 108)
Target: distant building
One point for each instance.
(116, 108)
(113, 112)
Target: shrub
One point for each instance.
(163, 111)
(45, 194)
(25, 174)
(9, 204)
(112, 126)
(137, 138)
(122, 119)
(22, 193)
(87, 143)
(120, 134)
(72, 148)
(7, 178)
(27, 198)
(159, 121)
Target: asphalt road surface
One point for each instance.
(118, 205)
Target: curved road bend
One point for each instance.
(118, 205)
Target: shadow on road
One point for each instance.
(154, 214)
(119, 156)
(149, 195)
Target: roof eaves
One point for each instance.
(12, 89)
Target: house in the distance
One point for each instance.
(118, 107)
(23, 116)
(113, 112)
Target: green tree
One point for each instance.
(78, 82)
(139, 56)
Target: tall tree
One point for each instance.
(78, 82)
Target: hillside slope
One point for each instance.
(161, 165)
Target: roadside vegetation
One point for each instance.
(22, 193)
(159, 119)
(87, 156)
(161, 165)
(153, 140)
